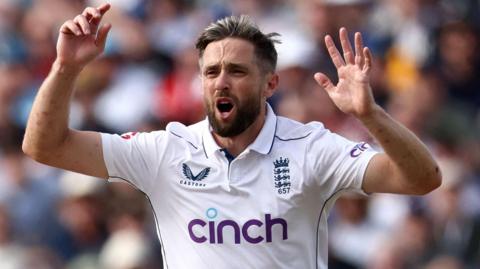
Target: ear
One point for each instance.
(272, 83)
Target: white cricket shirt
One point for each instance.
(267, 208)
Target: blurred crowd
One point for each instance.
(426, 75)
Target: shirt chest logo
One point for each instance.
(281, 175)
(194, 180)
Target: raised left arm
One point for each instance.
(406, 167)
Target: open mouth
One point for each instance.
(225, 107)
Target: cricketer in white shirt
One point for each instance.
(266, 208)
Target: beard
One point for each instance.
(247, 112)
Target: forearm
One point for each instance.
(47, 127)
(413, 165)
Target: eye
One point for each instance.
(238, 72)
(210, 73)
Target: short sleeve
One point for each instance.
(133, 157)
(338, 163)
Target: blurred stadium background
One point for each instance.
(426, 75)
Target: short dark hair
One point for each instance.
(244, 28)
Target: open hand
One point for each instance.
(352, 94)
(80, 40)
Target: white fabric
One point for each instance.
(199, 199)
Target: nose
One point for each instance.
(222, 81)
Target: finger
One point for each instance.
(368, 60)
(346, 46)
(102, 36)
(82, 22)
(324, 81)
(70, 28)
(359, 55)
(333, 51)
(94, 15)
(103, 8)
(91, 13)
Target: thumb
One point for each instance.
(324, 81)
(102, 36)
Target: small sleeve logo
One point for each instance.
(358, 149)
(128, 135)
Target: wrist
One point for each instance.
(372, 115)
(65, 69)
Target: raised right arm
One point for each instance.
(48, 139)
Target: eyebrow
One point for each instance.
(229, 66)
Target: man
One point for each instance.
(243, 188)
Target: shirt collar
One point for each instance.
(262, 144)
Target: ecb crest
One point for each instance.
(281, 175)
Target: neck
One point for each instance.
(236, 144)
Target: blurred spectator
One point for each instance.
(130, 220)
(417, 107)
(30, 202)
(178, 96)
(355, 229)
(11, 253)
(82, 217)
(456, 231)
(460, 71)
(93, 81)
(408, 246)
